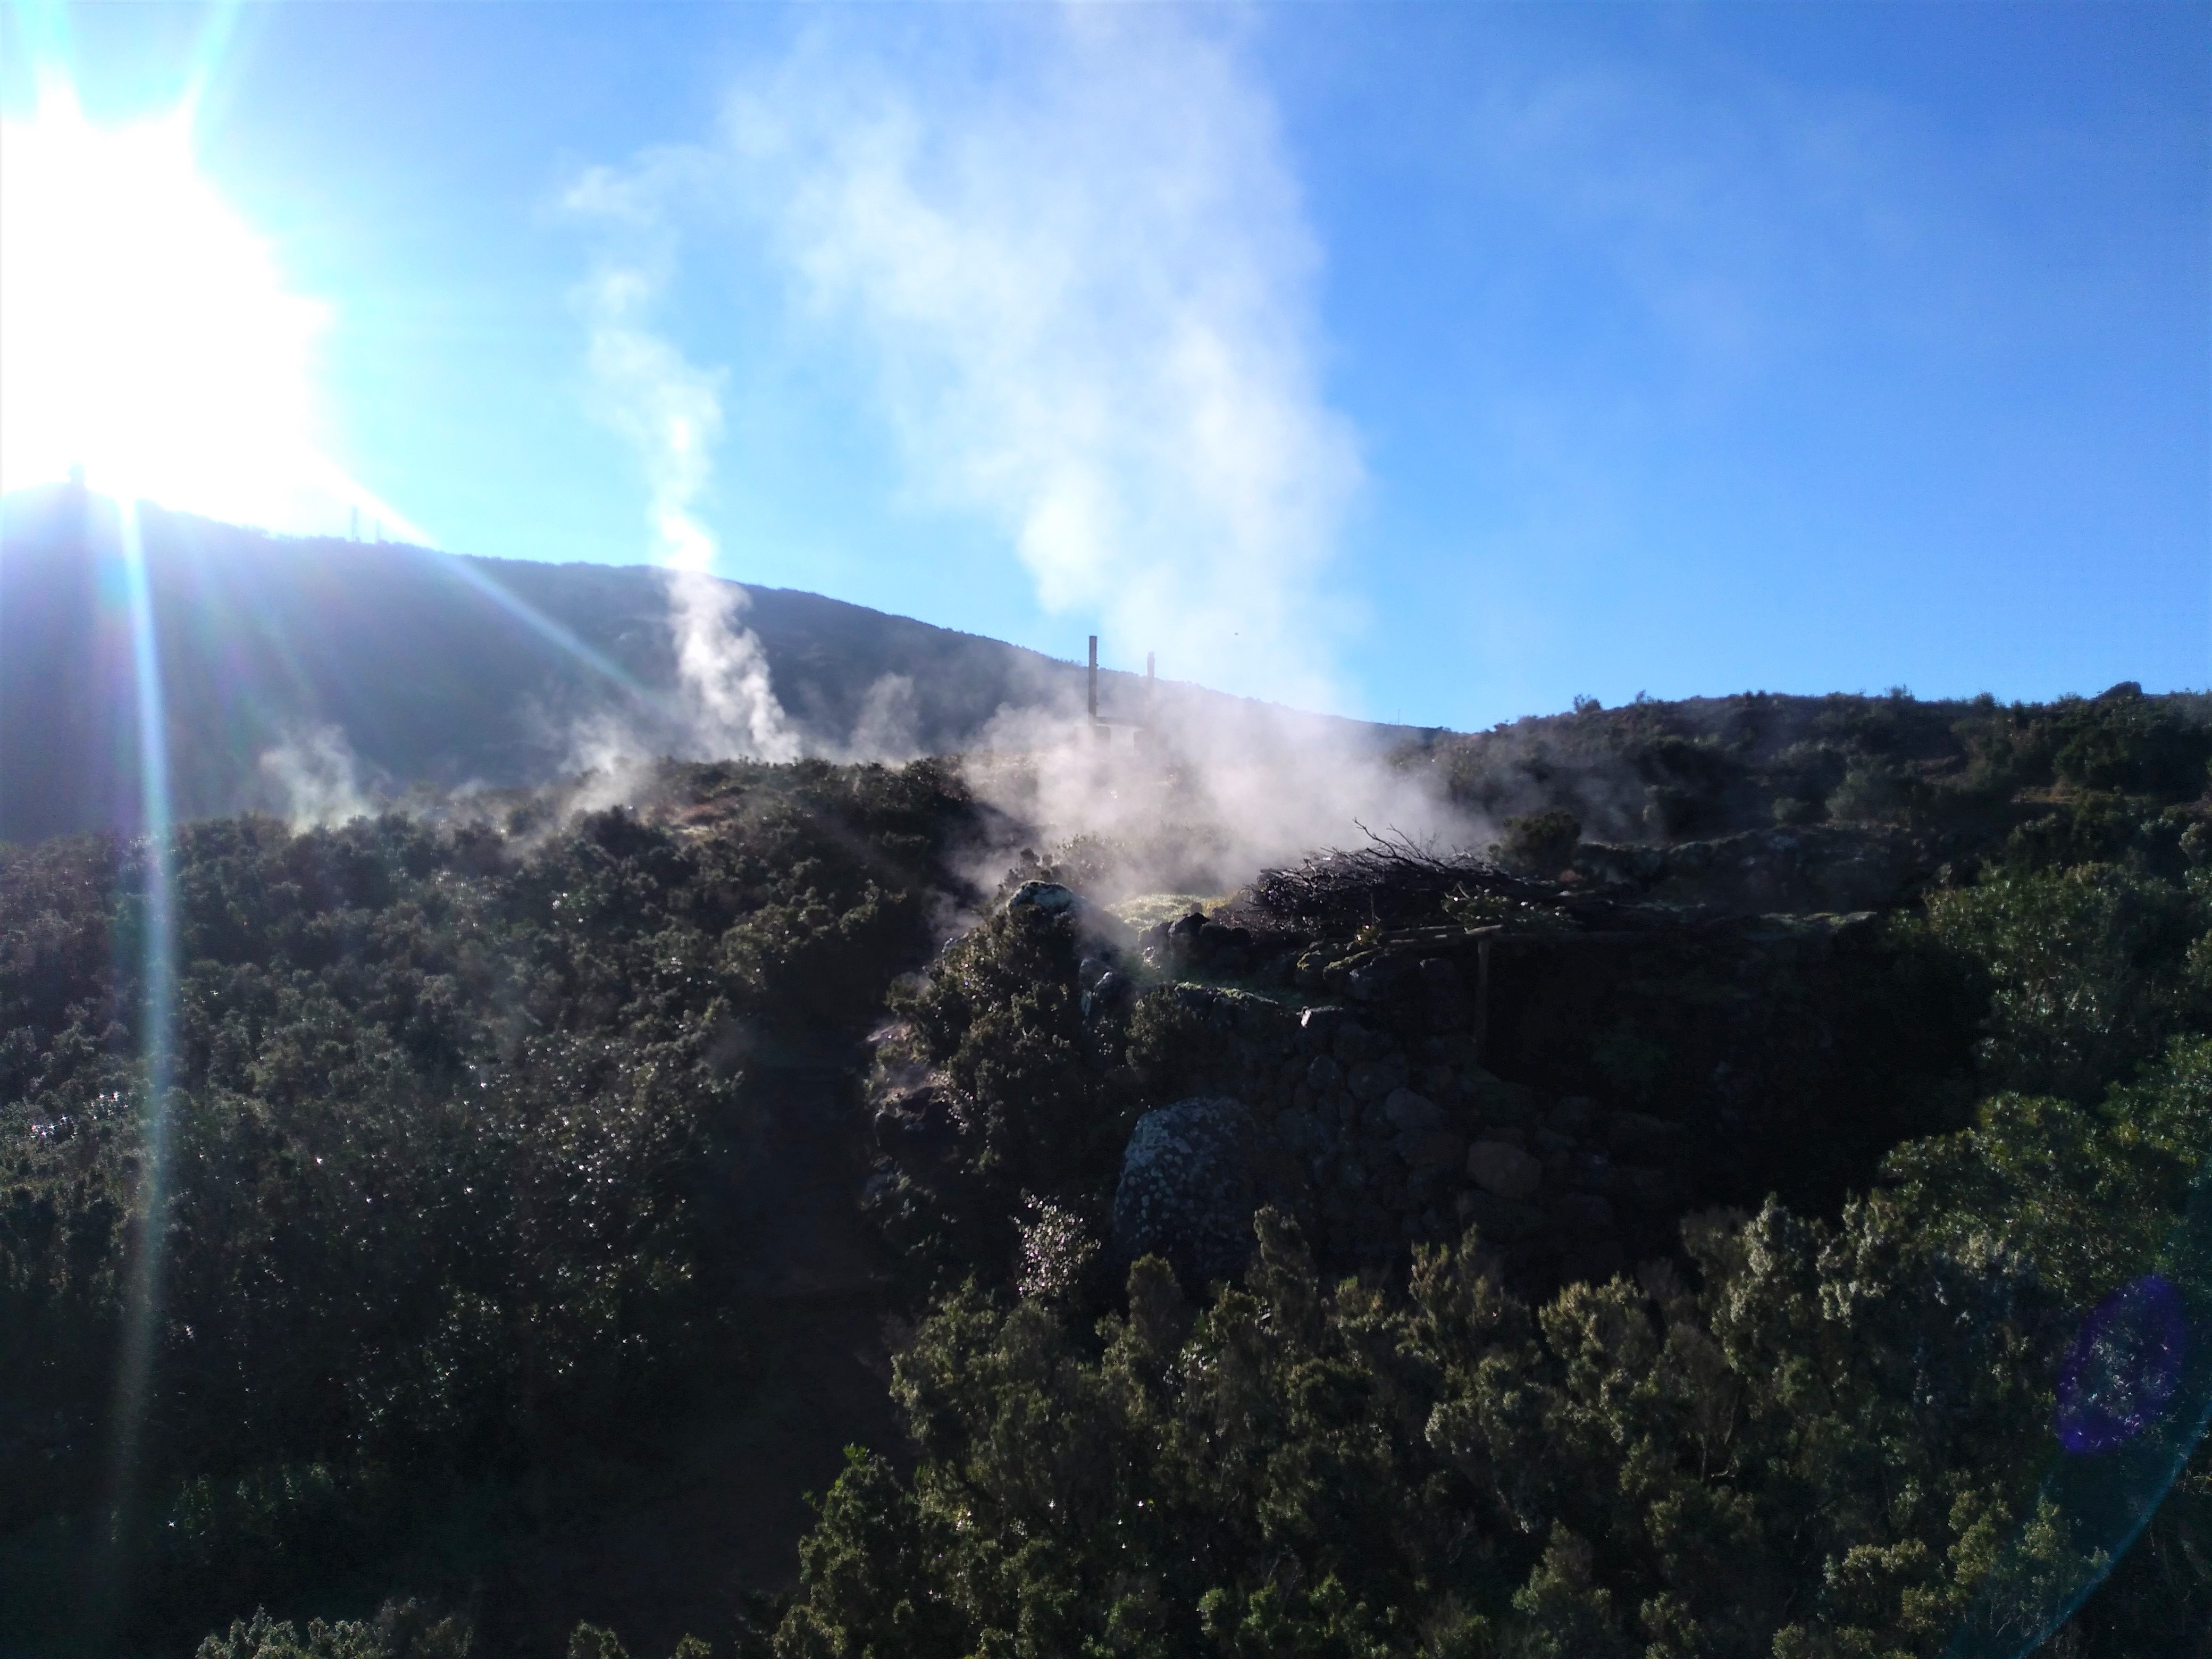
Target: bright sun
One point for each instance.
(146, 334)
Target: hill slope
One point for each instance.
(435, 668)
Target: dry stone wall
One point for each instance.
(1570, 1091)
(1379, 1130)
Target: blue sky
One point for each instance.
(1433, 362)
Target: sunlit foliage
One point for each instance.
(457, 1137)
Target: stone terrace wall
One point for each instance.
(1574, 1095)
(1378, 1137)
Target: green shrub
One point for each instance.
(1818, 1445)
(1542, 842)
(2089, 969)
(401, 1630)
(455, 1152)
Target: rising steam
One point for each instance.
(671, 413)
(313, 779)
(1076, 261)
(1070, 250)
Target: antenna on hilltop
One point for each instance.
(1099, 729)
(1139, 729)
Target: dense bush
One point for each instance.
(1709, 766)
(399, 1630)
(2087, 968)
(1819, 1442)
(1034, 1099)
(456, 1247)
(1543, 842)
(1813, 1437)
(450, 1155)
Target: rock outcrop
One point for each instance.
(1189, 1188)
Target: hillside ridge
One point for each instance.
(442, 670)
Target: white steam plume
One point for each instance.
(886, 727)
(1085, 275)
(1070, 249)
(671, 412)
(315, 779)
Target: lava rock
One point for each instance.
(1184, 937)
(1411, 1114)
(1378, 979)
(1655, 1189)
(1496, 1101)
(1301, 1131)
(1438, 1149)
(1373, 1079)
(1215, 938)
(1049, 897)
(1206, 1003)
(1504, 1171)
(1594, 1172)
(1317, 1029)
(1354, 1042)
(1187, 1190)
(1454, 1049)
(1572, 1116)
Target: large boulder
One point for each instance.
(1189, 1188)
(1097, 928)
(1411, 1114)
(1503, 1170)
(1049, 897)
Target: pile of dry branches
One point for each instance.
(1393, 882)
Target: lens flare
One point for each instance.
(2134, 1399)
(2123, 1367)
(158, 969)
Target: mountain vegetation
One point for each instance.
(1758, 1207)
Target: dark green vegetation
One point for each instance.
(2079, 781)
(475, 1271)
(476, 1162)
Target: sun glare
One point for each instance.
(147, 336)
